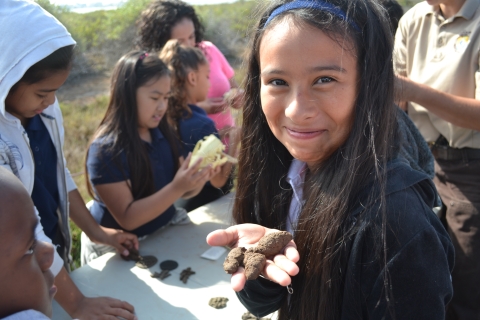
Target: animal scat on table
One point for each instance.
(162, 275)
(218, 302)
(133, 255)
(186, 274)
(249, 316)
(146, 262)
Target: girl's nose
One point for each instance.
(301, 106)
(49, 99)
(44, 254)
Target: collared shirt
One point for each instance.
(296, 178)
(445, 55)
(45, 187)
(195, 128)
(104, 167)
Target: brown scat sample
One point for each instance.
(162, 275)
(249, 316)
(185, 274)
(146, 262)
(234, 260)
(273, 243)
(254, 264)
(218, 303)
(133, 254)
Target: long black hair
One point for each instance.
(181, 61)
(154, 27)
(119, 127)
(333, 188)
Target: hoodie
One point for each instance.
(30, 34)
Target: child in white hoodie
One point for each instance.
(35, 61)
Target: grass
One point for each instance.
(80, 122)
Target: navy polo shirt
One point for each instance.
(106, 166)
(195, 128)
(45, 187)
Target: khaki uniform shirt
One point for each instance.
(445, 55)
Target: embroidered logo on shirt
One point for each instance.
(10, 155)
(462, 41)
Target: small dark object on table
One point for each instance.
(186, 274)
(146, 262)
(162, 275)
(169, 265)
(218, 303)
(249, 316)
(133, 255)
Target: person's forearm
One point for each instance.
(68, 295)
(462, 112)
(145, 210)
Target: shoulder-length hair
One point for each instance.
(332, 189)
(119, 127)
(181, 61)
(154, 27)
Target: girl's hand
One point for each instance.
(120, 240)
(279, 270)
(187, 179)
(213, 105)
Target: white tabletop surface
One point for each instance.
(152, 298)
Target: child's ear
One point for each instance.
(192, 78)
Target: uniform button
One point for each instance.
(37, 149)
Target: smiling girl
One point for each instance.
(133, 169)
(319, 158)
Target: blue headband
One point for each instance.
(314, 4)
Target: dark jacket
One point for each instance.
(420, 257)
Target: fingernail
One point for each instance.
(125, 252)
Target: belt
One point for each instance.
(448, 153)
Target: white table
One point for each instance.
(152, 298)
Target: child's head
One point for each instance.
(168, 19)
(140, 88)
(190, 72)
(139, 93)
(319, 88)
(35, 91)
(25, 275)
(347, 46)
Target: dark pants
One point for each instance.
(458, 182)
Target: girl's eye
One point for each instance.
(41, 96)
(154, 99)
(31, 250)
(278, 82)
(324, 80)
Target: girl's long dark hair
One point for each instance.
(119, 127)
(181, 61)
(154, 27)
(332, 189)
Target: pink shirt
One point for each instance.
(220, 74)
